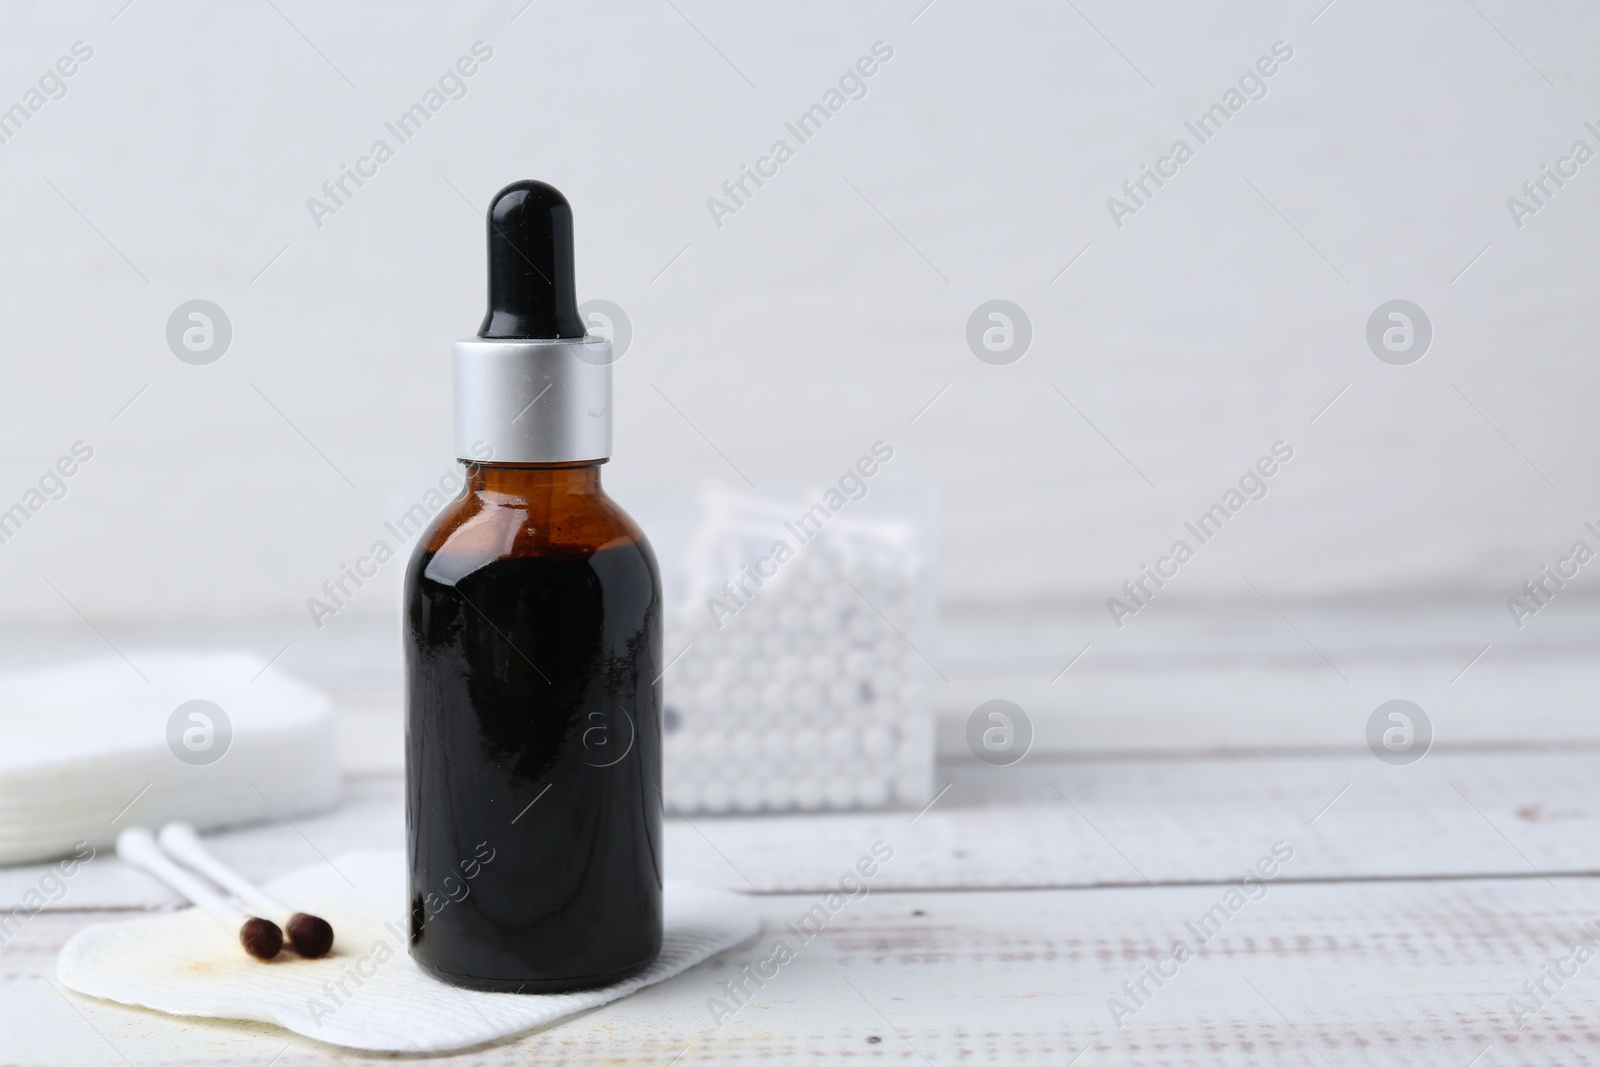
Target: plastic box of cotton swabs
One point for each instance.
(799, 637)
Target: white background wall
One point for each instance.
(831, 309)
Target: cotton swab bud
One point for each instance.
(309, 936)
(261, 938)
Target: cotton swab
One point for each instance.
(137, 848)
(309, 936)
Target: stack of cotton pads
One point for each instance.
(813, 692)
(92, 747)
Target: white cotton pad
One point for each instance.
(366, 994)
(94, 746)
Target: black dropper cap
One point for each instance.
(532, 293)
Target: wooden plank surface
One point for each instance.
(1232, 676)
(1417, 902)
(1375, 973)
(1043, 824)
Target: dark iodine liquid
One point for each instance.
(533, 741)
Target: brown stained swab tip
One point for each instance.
(261, 938)
(310, 936)
(137, 847)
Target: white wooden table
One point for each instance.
(1413, 909)
(1417, 903)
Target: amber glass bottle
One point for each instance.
(533, 659)
(534, 738)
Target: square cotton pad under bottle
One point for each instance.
(368, 993)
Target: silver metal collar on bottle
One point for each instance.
(533, 401)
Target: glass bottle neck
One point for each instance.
(516, 480)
